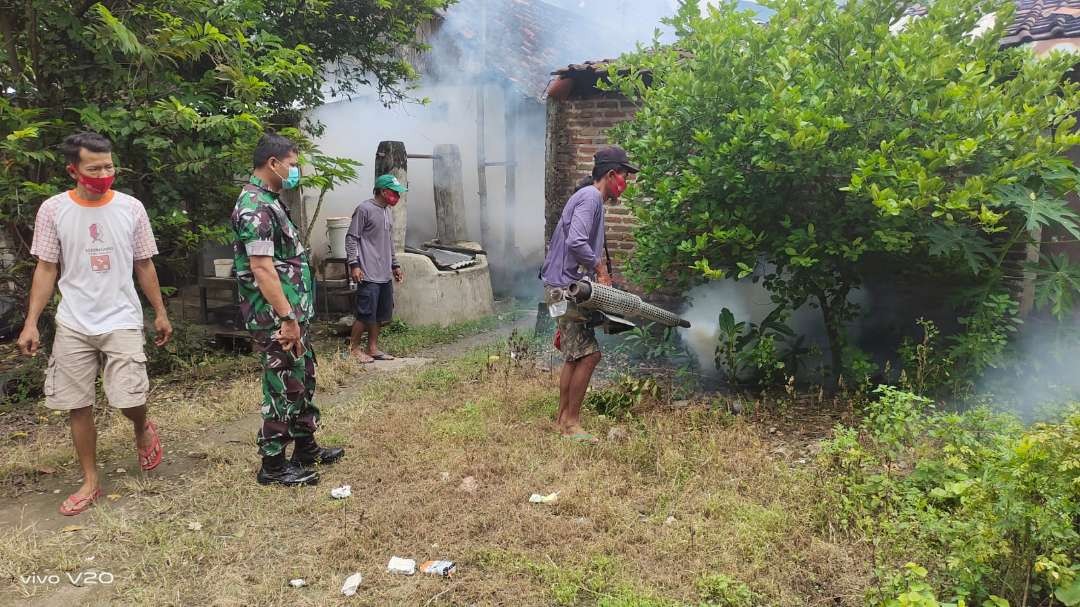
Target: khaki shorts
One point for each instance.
(77, 359)
(576, 341)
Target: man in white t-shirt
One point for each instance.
(94, 238)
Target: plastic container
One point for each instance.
(336, 227)
(223, 268)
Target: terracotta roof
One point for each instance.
(1038, 20)
(600, 65)
(1033, 21)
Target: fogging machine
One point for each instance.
(611, 309)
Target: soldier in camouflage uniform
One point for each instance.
(277, 303)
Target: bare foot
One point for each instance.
(88, 488)
(363, 357)
(142, 438)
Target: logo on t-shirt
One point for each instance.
(99, 263)
(95, 233)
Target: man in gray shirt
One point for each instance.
(369, 246)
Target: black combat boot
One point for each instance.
(276, 471)
(308, 453)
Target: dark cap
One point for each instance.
(614, 155)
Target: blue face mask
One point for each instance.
(292, 180)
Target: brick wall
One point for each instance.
(576, 129)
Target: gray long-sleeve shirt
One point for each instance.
(578, 240)
(369, 243)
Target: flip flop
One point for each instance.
(360, 360)
(150, 457)
(79, 503)
(383, 356)
(582, 438)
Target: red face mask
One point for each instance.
(94, 185)
(618, 185)
(391, 197)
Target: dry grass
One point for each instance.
(412, 437)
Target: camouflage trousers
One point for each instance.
(288, 389)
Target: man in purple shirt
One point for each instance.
(576, 251)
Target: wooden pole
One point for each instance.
(481, 167)
(391, 158)
(449, 195)
(509, 241)
(481, 156)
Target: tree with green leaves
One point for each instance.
(184, 89)
(843, 141)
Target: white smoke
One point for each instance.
(454, 71)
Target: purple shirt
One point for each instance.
(578, 240)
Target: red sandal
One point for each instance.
(150, 457)
(79, 503)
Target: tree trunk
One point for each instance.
(834, 331)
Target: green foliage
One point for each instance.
(719, 590)
(184, 89)
(404, 339)
(651, 343)
(24, 382)
(923, 369)
(952, 368)
(747, 352)
(438, 380)
(985, 506)
(825, 148)
(468, 422)
(626, 393)
(189, 348)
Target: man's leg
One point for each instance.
(579, 384)
(137, 415)
(126, 381)
(565, 378)
(84, 435)
(366, 303)
(282, 395)
(384, 313)
(373, 339)
(70, 386)
(305, 423)
(355, 337)
(578, 344)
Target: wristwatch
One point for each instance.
(290, 315)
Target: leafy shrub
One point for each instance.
(651, 343)
(190, 347)
(749, 353)
(719, 590)
(618, 399)
(988, 507)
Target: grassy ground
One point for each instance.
(680, 505)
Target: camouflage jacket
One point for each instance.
(262, 226)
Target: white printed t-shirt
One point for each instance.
(96, 244)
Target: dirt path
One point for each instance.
(36, 511)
